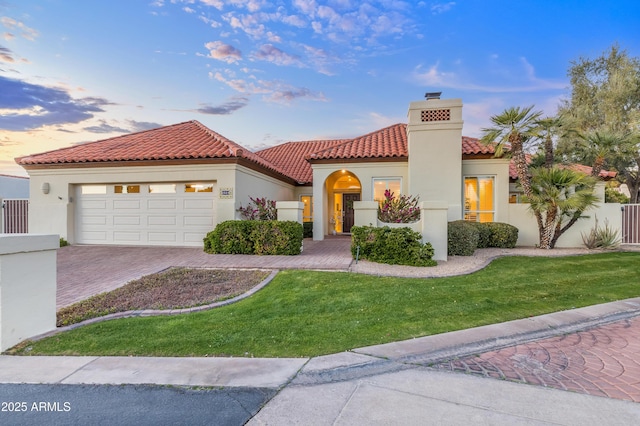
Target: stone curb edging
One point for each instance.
(158, 312)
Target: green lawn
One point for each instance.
(304, 313)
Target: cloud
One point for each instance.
(272, 90)
(524, 80)
(25, 106)
(6, 55)
(226, 108)
(270, 53)
(12, 24)
(439, 8)
(223, 52)
(132, 126)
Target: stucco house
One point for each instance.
(170, 186)
(14, 186)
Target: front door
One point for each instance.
(347, 202)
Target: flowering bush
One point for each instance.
(403, 209)
(259, 209)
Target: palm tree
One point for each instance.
(514, 127)
(548, 128)
(602, 147)
(558, 197)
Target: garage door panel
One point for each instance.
(126, 220)
(119, 236)
(195, 204)
(126, 204)
(94, 237)
(161, 204)
(198, 221)
(164, 237)
(161, 220)
(195, 238)
(94, 204)
(94, 220)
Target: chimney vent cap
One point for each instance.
(432, 95)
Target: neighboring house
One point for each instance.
(14, 187)
(171, 185)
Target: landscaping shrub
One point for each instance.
(503, 235)
(462, 238)
(402, 209)
(255, 237)
(307, 230)
(259, 209)
(605, 237)
(395, 246)
(230, 237)
(484, 234)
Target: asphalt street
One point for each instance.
(59, 404)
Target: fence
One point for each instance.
(631, 223)
(15, 216)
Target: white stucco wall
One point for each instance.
(27, 286)
(521, 217)
(365, 172)
(55, 212)
(14, 187)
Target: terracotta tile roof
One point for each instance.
(471, 146)
(390, 142)
(290, 157)
(604, 174)
(183, 141)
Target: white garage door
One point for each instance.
(170, 214)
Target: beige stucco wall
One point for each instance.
(365, 172)
(55, 212)
(435, 168)
(521, 217)
(27, 286)
(492, 167)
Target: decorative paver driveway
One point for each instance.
(84, 271)
(603, 361)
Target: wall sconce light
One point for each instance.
(45, 188)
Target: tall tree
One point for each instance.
(605, 100)
(513, 128)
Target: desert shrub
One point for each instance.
(503, 235)
(484, 234)
(602, 237)
(462, 238)
(402, 209)
(255, 237)
(63, 242)
(307, 230)
(259, 209)
(394, 246)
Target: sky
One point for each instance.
(264, 72)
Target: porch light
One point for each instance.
(45, 187)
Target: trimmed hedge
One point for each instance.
(255, 237)
(394, 246)
(464, 236)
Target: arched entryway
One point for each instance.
(343, 189)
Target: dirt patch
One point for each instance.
(174, 288)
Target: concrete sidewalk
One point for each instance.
(384, 384)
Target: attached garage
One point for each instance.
(177, 214)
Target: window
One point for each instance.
(93, 189)
(380, 185)
(307, 211)
(126, 189)
(198, 187)
(162, 188)
(479, 198)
